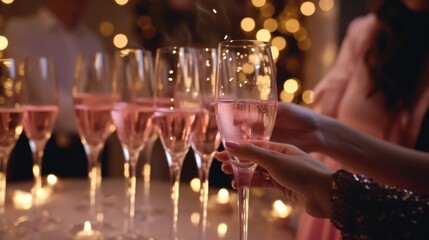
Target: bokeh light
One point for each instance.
(106, 28)
(3, 42)
(271, 24)
(120, 40)
(326, 5)
(308, 8)
(279, 42)
(263, 35)
(292, 25)
(247, 24)
(308, 96)
(291, 85)
(258, 3)
(121, 2)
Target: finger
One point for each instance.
(227, 168)
(222, 156)
(252, 153)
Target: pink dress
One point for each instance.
(341, 94)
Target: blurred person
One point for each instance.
(378, 85)
(55, 31)
(359, 207)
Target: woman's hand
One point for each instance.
(296, 174)
(298, 126)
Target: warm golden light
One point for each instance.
(308, 8)
(121, 2)
(87, 226)
(195, 184)
(258, 3)
(22, 200)
(263, 35)
(222, 229)
(106, 28)
(291, 85)
(7, 1)
(286, 97)
(275, 52)
(308, 96)
(280, 209)
(52, 179)
(292, 25)
(120, 40)
(279, 42)
(18, 130)
(268, 10)
(222, 196)
(3, 42)
(195, 218)
(270, 24)
(326, 5)
(247, 24)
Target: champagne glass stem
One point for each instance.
(37, 150)
(203, 173)
(148, 148)
(3, 166)
(175, 168)
(130, 178)
(94, 173)
(243, 210)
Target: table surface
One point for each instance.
(69, 200)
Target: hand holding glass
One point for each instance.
(246, 105)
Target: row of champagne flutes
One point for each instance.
(177, 100)
(106, 100)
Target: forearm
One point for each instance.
(385, 162)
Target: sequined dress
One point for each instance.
(363, 209)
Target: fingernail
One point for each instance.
(232, 146)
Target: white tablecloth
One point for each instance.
(69, 200)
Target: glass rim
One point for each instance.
(241, 42)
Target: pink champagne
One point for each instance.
(10, 126)
(245, 120)
(175, 127)
(39, 121)
(205, 136)
(94, 123)
(133, 124)
(95, 99)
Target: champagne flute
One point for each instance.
(94, 94)
(11, 115)
(132, 116)
(178, 107)
(40, 113)
(246, 105)
(205, 138)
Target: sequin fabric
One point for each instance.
(363, 209)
